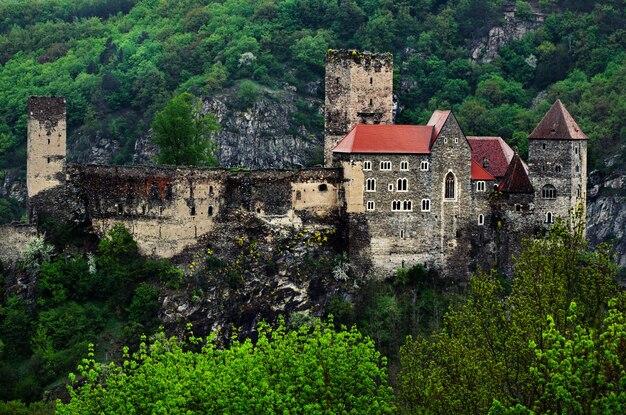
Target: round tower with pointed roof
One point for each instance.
(557, 160)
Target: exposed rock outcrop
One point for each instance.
(606, 214)
(513, 27)
(266, 134)
(256, 271)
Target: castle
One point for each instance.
(400, 194)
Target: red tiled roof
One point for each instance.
(495, 150)
(437, 120)
(558, 124)
(516, 178)
(478, 173)
(380, 138)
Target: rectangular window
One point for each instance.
(385, 165)
(371, 205)
(480, 186)
(370, 185)
(425, 205)
(404, 165)
(424, 165)
(481, 220)
(367, 165)
(390, 187)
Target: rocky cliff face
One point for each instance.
(513, 27)
(238, 276)
(606, 213)
(271, 133)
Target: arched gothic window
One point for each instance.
(548, 192)
(449, 193)
(549, 217)
(403, 185)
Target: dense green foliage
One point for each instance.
(579, 370)
(182, 133)
(411, 302)
(104, 298)
(507, 346)
(118, 62)
(312, 371)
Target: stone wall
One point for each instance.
(170, 209)
(562, 164)
(46, 143)
(359, 89)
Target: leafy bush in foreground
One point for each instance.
(311, 371)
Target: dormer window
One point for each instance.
(485, 162)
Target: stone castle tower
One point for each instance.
(557, 162)
(359, 90)
(46, 146)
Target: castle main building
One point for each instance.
(399, 194)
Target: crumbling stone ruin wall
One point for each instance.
(359, 90)
(169, 209)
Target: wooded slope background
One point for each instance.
(118, 62)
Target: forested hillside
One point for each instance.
(118, 62)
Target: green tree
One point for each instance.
(310, 370)
(482, 352)
(182, 133)
(579, 370)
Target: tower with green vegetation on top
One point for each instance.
(359, 90)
